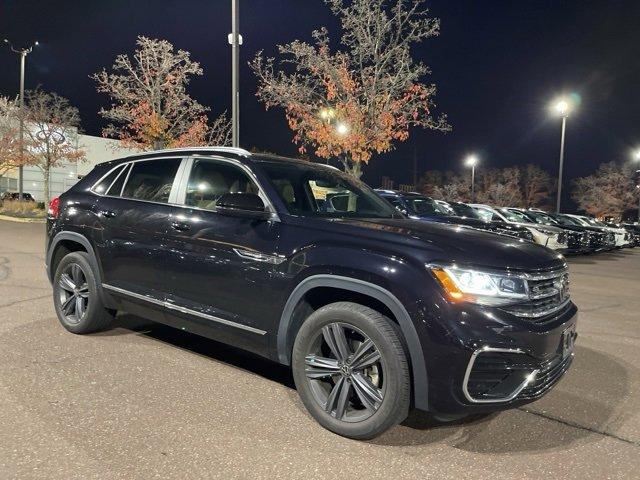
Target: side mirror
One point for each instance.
(247, 205)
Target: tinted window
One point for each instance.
(462, 210)
(104, 184)
(210, 179)
(116, 187)
(151, 180)
(425, 206)
(312, 190)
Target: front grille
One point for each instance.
(562, 237)
(576, 240)
(548, 294)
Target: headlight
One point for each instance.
(485, 288)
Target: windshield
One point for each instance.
(462, 210)
(514, 216)
(541, 217)
(563, 220)
(317, 191)
(425, 206)
(592, 221)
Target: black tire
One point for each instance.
(395, 387)
(93, 314)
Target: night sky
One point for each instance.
(497, 65)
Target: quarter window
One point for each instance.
(210, 179)
(151, 180)
(116, 187)
(102, 186)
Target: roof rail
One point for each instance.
(236, 150)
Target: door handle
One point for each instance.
(180, 226)
(108, 213)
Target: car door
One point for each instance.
(220, 267)
(130, 238)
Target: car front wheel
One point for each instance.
(351, 370)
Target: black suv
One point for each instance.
(299, 263)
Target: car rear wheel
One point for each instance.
(75, 296)
(351, 370)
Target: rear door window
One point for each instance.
(151, 180)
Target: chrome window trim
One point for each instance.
(486, 349)
(185, 310)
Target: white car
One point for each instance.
(547, 235)
(623, 239)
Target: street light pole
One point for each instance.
(235, 67)
(23, 52)
(472, 161)
(564, 127)
(473, 183)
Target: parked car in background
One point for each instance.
(298, 263)
(577, 238)
(546, 235)
(599, 239)
(622, 238)
(634, 230)
(15, 196)
(424, 208)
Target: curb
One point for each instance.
(21, 220)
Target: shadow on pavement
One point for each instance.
(584, 403)
(127, 324)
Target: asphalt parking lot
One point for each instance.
(145, 401)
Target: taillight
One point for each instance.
(54, 207)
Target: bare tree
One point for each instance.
(51, 132)
(448, 186)
(537, 186)
(500, 187)
(151, 108)
(607, 192)
(353, 103)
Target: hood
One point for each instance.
(470, 222)
(447, 243)
(538, 226)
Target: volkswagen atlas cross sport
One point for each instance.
(303, 265)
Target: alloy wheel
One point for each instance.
(346, 372)
(73, 293)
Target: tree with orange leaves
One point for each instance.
(10, 156)
(151, 108)
(354, 103)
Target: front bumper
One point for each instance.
(500, 361)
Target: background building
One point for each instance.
(97, 149)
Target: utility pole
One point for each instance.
(415, 169)
(235, 40)
(23, 52)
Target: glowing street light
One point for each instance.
(472, 161)
(327, 114)
(562, 107)
(342, 128)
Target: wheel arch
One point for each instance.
(71, 242)
(291, 312)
